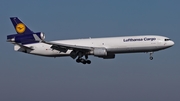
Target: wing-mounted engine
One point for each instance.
(25, 38)
(109, 56)
(102, 53)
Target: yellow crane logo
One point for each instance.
(20, 28)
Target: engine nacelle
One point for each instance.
(100, 52)
(109, 56)
(42, 36)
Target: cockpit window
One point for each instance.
(167, 39)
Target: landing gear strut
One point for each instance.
(82, 60)
(151, 57)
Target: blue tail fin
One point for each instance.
(20, 27)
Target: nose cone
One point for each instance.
(170, 43)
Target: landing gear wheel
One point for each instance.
(83, 61)
(88, 62)
(151, 58)
(78, 60)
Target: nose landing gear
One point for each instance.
(151, 57)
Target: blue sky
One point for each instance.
(128, 77)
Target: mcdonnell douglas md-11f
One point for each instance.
(34, 43)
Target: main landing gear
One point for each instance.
(151, 57)
(82, 60)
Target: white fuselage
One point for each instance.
(127, 44)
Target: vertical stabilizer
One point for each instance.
(20, 27)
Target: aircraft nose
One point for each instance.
(171, 43)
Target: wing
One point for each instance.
(64, 47)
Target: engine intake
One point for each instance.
(100, 52)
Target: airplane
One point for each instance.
(27, 41)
